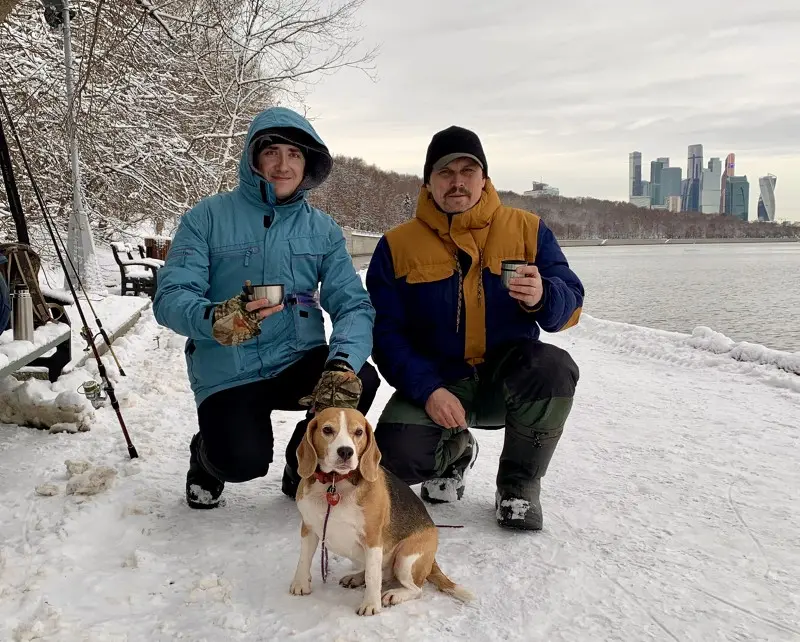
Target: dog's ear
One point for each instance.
(306, 453)
(371, 457)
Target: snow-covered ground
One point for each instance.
(671, 513)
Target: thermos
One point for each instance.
(22, 314)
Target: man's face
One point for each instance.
(457, 186)
(283, 166)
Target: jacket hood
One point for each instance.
(287, 126)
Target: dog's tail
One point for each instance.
(446, 585)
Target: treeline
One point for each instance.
(368, 198)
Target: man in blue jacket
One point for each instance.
(247, 358)
(460, 348)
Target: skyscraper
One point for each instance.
(766, 201)
(727, 172)
(671, 178)
(737, 197)
(694, 170)
(710, 187)
(634, 174)
(656, 196)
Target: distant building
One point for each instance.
(541, 189)
(710, 187)
(634, 174)
(737, 197)
(694, 170)
(656, 195)
(640, 201)
(670, 182)
(766, 201)
(674, 203)
(728, 171)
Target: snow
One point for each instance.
(11, 350)
(670, 509)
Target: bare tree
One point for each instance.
(6, 7)
(162, 105)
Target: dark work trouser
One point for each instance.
(235, 440)
(528, 390)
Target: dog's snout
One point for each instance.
(345, 452)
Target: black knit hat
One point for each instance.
(449, 144)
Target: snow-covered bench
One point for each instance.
(137, 275)
(15, 355)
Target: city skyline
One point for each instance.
(709, 188)
(562, 99)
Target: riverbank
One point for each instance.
(605, 242)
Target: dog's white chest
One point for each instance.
(345, 524)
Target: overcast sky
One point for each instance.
(563, 91)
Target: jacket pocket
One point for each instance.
(211, 363)
(309, 327)
(306, 261)
(430, 273)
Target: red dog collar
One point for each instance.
(332, 477)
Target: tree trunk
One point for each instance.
(6, 7)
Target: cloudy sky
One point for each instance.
(563, 91)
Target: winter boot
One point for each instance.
(523, 463)
(290, 482)
(449, 487)
(203, 490)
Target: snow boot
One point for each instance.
(290, 482)
(523, 463)
(203, 490)
(449, 487)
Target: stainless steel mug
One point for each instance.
(508, 271)
(272, 292)
(22, 314)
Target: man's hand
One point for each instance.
(338, 387)
(527, 287)
(445, 409)
(237, 320)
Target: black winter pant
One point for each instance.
(235, 441)
(526, 389)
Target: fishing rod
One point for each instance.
(109, 388)
(85, 332)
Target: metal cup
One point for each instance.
(272, 292)
(509, 270)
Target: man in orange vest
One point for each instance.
(460, 344)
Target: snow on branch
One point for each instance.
(163, 100)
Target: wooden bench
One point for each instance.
(21, 354)
(137, 275)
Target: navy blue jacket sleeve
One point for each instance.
(400, 364)
(563, 290)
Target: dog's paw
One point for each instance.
(300, 587)
(368, 608)
(396, 596)
(353, 581)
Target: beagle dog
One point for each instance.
(364, 513)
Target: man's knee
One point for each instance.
(370, 382)
(408, 451)
(236, 460)
(539, 370)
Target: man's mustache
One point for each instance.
(458, 191)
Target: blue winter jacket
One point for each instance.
(245, 234)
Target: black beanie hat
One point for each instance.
(449, 144)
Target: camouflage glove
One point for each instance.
(338, 387)
(233, 323)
